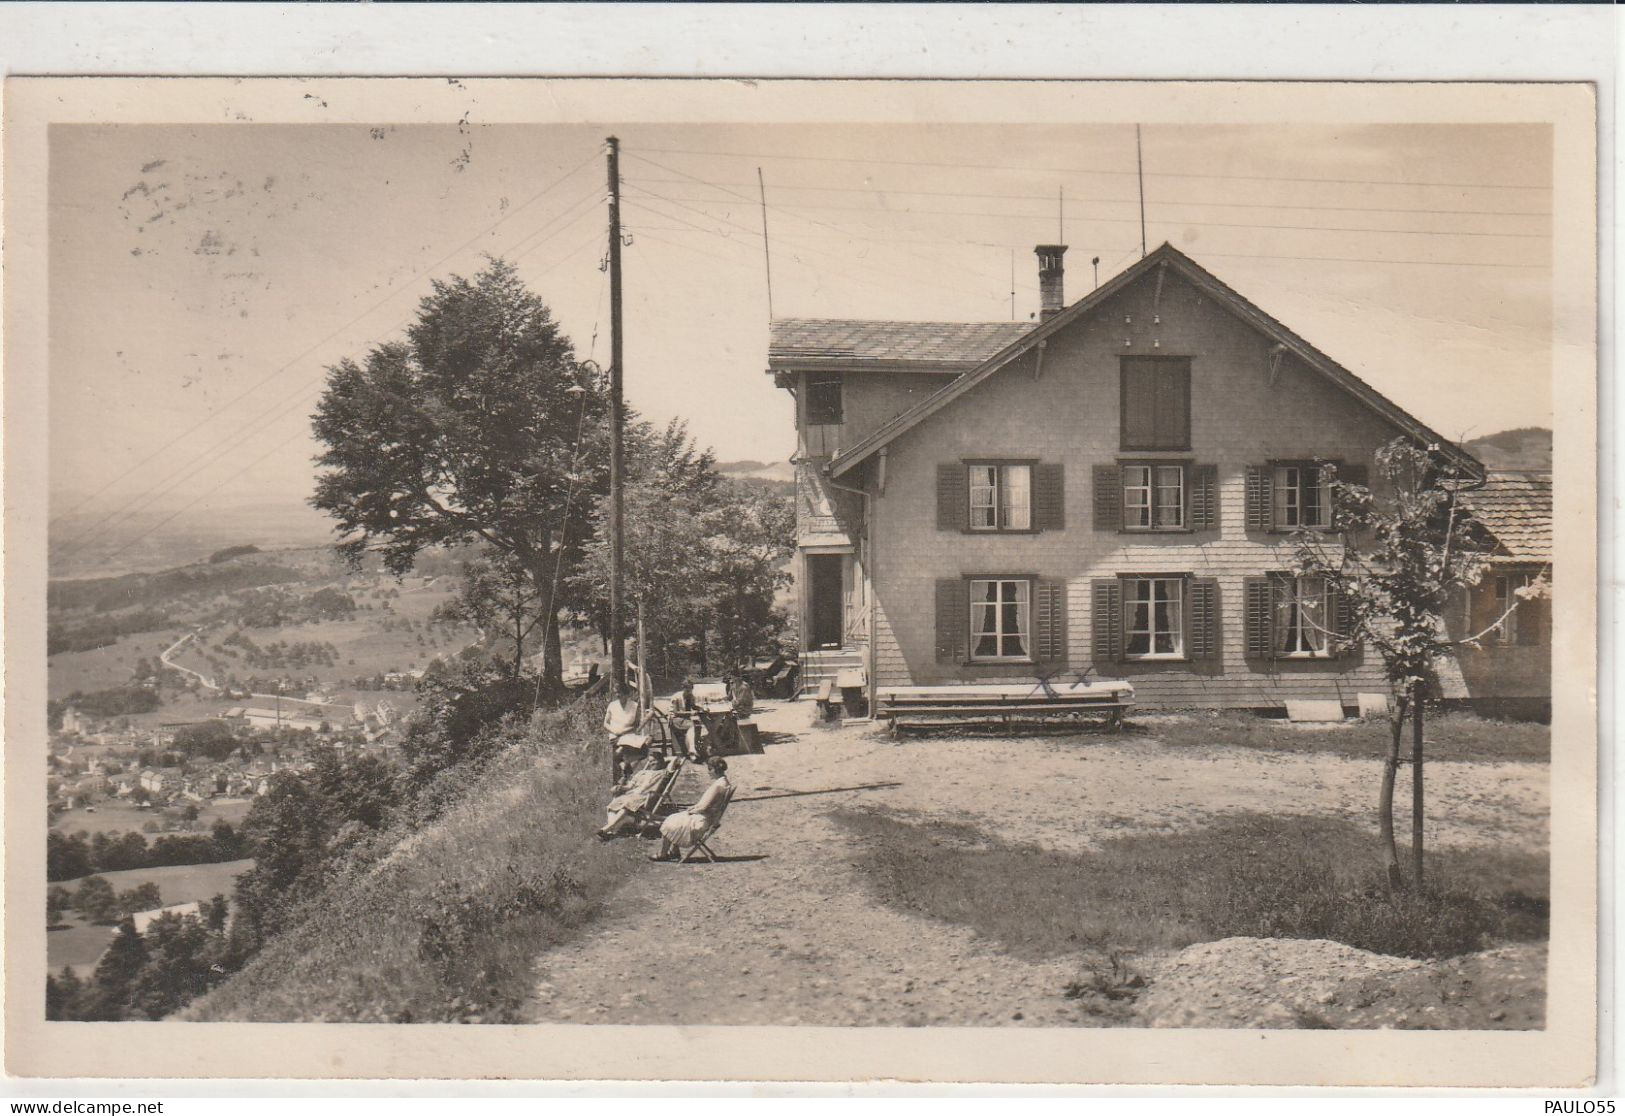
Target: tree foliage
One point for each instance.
(465, 432)
(1405, 551)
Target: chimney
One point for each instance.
(1050, 274)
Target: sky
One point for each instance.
(203, 277)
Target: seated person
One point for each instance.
(743, 697)
(689, 827)
(621, 721)
(685, 721)
(636, 795)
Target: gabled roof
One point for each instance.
(835, 342)
(1165, 256)
(1517, 508)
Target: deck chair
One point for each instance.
(648, 818)
(700, 841)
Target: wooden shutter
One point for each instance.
(1202, 618)
(1173, 406)
(1050, 622)
(953, 620)
(1139, 405)
(1260, 498)
(1259, 593)
(1106, 618)
(1049, 497)
(1108, 498)
(1341, 609)
(953, 498)
(1204, 489)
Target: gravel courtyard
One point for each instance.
(784, 931)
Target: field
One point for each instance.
(81, 944)
(114, 815)
(104, 668)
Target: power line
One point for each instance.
(1124, 201)
(1032, 217)
(1095, 170)
(87, 501)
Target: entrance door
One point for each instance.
(825, 608)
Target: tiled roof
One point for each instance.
(1517, 508)
(836, 340)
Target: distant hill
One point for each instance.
(1527, 447)
(758, 470)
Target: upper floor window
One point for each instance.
(824, 400)
(1153, 497)
(1517, 619)
(1001, 497)
(1301, 496)
(1156, 403)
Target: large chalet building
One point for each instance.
(1107, 492)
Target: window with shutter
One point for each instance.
(1001, 495)
(1305, 617)
(1154, 495)
(1106, 619)
(1259, 615)
(1001, 619)
(1154, 617)
(953, 604)
(1155, 403)
(1300, 496)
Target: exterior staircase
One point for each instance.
(819, 665)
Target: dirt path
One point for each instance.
(783, 931)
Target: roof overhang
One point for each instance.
(1170, 257)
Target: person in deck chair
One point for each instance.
(636, 795)
(687, 828)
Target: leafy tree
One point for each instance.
(216, 912)
(213, 739)
(66, 858)
(143, 897)
(116, 972)
(497, 596)
(179, 952)
(63, 995)
(58, 901)
(466, 432)
(1398, 563)
(96, 901)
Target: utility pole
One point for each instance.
(617, 641)
(767, 255)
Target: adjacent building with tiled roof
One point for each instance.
(1108, 492)
(1517, 509)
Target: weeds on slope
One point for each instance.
(1252, 875)
(442, 923)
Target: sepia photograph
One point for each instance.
(1027, 566)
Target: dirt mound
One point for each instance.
(1294, 983)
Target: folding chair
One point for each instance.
(700, 841)
(648, 818)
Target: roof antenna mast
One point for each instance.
(1139, 166)
(767, 256)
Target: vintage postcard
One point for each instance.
(1051, 582)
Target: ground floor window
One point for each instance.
(1303, 619)
(1000, 619)
(1155, 627)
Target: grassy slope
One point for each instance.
(1250, 875)
(447, 925)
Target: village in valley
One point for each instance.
(1074, 664)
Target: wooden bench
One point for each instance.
(1004, 704)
